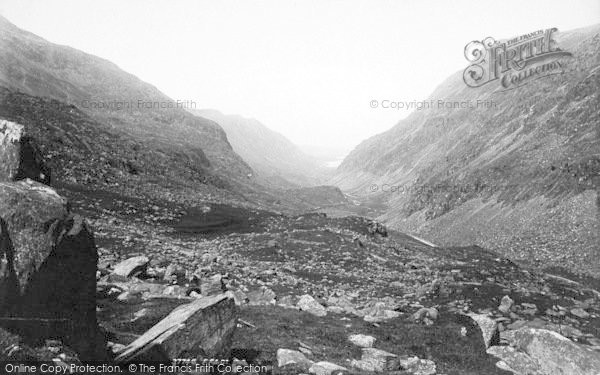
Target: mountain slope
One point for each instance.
(519, 173)
(272, 156)
(34, 66)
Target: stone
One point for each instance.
(489, 328)
(326, 368)
(580, 313)
(310, 305)
(379, 313)
(240, 297)
(262, 296)
(288, 357)
(376, 360)
(418, 366)
(212, 285)
(505, 304)
(20, 157)
(364, 341)
(48, 262)
(175, 291)
(426, 314)
(173, 273)
(204, 327)
(132, 266)
(514, 361)
(129, 297)
(557, 354)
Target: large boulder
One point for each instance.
(19, 157)
(48, 266)
(557, 354)
(201, 329)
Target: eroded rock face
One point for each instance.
(29, 210)
(20, 158)
(48, 267)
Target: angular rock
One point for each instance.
(212, 285)
(49, 261)
(379, 313)
(288, 357)
(515, 361)
(201, 329)
(418, 366)
(364, 341)
(240, 297)
(262, 296)
(20, 157)
(326, 368)
(557, 354)
(310, 305)
(131, 266)
(426, 314)
(489, 329)
(377, 360)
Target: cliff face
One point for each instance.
(513, 170)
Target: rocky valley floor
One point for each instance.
(315, 291)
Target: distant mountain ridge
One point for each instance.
(520, 176)
(274, 158)
(36, 67)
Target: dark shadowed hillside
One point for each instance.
(274, 158)
(99, 88)
(519, 172)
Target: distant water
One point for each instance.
(334, 163)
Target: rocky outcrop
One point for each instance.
(20, 158)
(48, 271)
(202, 328)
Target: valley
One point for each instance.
(464, 240)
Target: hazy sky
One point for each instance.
(307, 69)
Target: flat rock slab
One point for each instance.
(514, 360)
(557, 354)
(201, 329)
